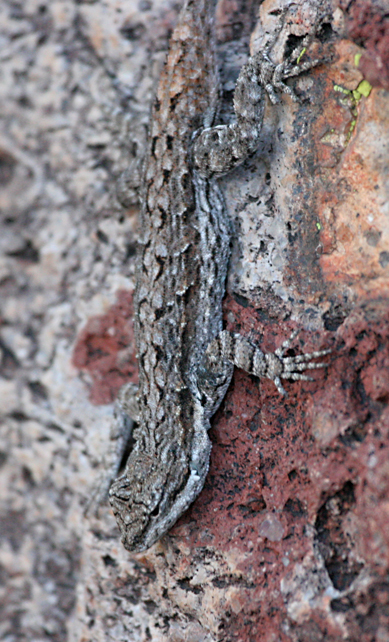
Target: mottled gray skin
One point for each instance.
(186, 360)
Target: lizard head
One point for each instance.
(135, 498)
(149, 497)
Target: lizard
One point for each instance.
(186, 359)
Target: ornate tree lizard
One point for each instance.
(186, 359)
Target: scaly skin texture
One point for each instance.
(186, 360)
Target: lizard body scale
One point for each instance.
(186, 360)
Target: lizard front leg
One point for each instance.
(235, 349)
(126, 416)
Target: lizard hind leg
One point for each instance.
(273, 75)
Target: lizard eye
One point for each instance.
(155, 512)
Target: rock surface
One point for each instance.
(289, 539)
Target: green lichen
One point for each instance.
(342, 90)
(364, 88)
(352, 98)
(301, 55)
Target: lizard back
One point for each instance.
(181, 271)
